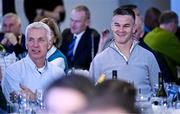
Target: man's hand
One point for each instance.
(103, 39)
(11, 38)
(4, 41)
(13, 96)
(29, 94)
(105, 35)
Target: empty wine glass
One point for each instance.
(177, 104)
(24, 103)
(39, 98)
(143, 100)
(13, 106)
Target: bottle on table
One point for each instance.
(161, 90)
(114, 74)
(101, 79)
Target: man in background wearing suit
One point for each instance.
(11, 36)
(80, 43)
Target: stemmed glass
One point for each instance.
(24, 103)
(143, 101)
(13, 106)
(177, 104)
(155, 89)
(39, 99)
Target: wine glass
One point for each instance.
(177, 104)
(155, 89)
(13, 106)
(39, 98)
(143, 100)
(24, 103)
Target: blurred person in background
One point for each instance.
(151, 19)
(68, 94)
(80, 42)
(113, 96)
(162, 40)
(11, 37)
(107, 105)
(139, 29)
(54, 55)
(38, 9)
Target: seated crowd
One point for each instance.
(67, 65)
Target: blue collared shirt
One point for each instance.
(26, 73)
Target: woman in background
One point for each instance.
(54, 55)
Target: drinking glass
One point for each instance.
(143, 101)
(39, 99)
(177, 104)
(155, 89)
(13, 106)
(24, 103)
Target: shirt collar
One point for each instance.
(32, 64)
(78, 36)
(132, 46)
(117, 49)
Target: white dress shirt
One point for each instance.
(78, 37)
(26, 73)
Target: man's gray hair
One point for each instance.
(10, 15)
(38, 25)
